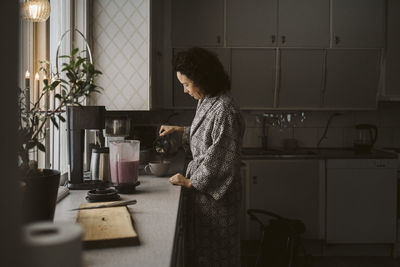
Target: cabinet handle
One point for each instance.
(218, 39)
(254, 179)
(273, 38)
(283, 39)
(337, 39)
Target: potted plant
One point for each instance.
(40, 185)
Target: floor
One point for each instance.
(378, 261)
(249, 253)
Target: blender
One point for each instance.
(116, 129)
(124, 165)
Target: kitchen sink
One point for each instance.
(281, 153)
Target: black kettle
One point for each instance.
(366, 135)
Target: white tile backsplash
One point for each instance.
(396, 137)
(346, 119)
(385, 137)
(367, 117)
(276, 136)
(334, 137)
(341, 132)
(306, 136)
(349, 135)
(252, 137)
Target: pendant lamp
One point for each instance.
(36, 10)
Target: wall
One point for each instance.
(340, 133)
(121, 41)
(11, 252)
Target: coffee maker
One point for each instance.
(79, 119)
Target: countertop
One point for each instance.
(155, 218)
(314, 153)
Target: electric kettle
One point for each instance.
(366, 135)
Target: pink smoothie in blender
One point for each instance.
(124, 164)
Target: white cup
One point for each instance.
(157, 168)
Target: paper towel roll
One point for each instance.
(53, 244)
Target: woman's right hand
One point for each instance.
(169, 129)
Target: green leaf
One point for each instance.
(61, 117)
(41, 146)
(80, 61)
(71, 76)
(74, 51)
(54, 121)
(30, 144)
(55, 83)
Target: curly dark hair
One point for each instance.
(204, 69)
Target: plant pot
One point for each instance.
(40, 196)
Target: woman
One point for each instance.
(212, 186)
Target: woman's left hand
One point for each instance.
(179, 179)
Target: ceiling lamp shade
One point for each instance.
(36, 10)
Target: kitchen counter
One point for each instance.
(314, 153)
(155, 218)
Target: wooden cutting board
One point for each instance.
(106, 227)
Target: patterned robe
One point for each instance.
(212, 205)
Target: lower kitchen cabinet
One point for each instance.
(361, 201)
(290, 188)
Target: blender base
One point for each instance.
(127, 188)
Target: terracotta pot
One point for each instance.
(40, 196)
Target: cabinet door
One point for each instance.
(253, 77)
(304, 23)
(361, 205)
(197, 23)
(301, 78)
(392, 89)
(358, 23)
(180, 99)
(251, 22)
(352, 78)
(289, 188)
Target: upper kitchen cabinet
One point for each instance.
(253, 77)
(182, 100)
(251, 23)
(352, 79)
(284, 23)
(392, 86)
(197, 23)
(304, 23)
(358, 23)
(301, 79)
